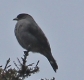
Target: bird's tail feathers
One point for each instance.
(52, 62)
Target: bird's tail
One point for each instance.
(52, 62)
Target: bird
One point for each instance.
(30, 36)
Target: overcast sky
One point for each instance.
(62, 22)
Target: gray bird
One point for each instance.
(30, 35)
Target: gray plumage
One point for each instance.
(28, 33)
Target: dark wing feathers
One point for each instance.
(38, 33)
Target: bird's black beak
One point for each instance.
(15, 19)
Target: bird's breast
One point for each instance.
(17, 32)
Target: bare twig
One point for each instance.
(7, 64)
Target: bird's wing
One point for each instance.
(36, 31)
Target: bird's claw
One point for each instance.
(26, 53)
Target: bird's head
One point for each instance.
(21, 16)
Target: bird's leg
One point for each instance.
(29, 48)
(26, 53)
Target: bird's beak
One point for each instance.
(15, 19)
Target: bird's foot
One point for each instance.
(26, 53)
(28, 50)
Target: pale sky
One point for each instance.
(63, 24)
